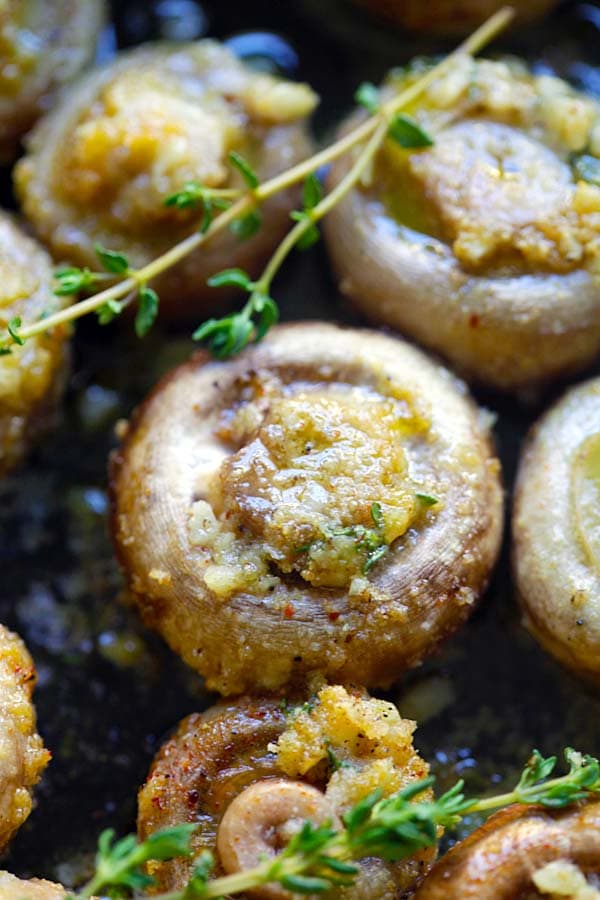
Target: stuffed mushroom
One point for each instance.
(327, 502)
(43, 45)
(32, 376)
(523, 852)
(23, 757)
(484, 244)
(101, 166)
(251, 771)
(453, 16)
(556, 530)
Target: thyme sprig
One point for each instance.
(319, 858)
(240, 211)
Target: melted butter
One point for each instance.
(586, 497)
(319, 486)
(402, 196)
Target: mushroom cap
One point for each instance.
(32, 377)
(72, 227)
(453, 16)
(554, 540)
(424, 588)
(22, 754)
(65, 34)
(521, 316)
(497, 861)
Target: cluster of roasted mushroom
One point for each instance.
(330, 500)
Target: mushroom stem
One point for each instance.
(263, 819)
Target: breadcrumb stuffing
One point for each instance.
(368, 741)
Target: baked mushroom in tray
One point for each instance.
(328, 501)
(523, 852)
(556, 530)
(101, 165)
(484, 244)
(23, 757)
(249, 772)
(453, 16)
(43, 45)
(32, 376)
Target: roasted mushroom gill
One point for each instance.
(484, 246)
(328, 501)
(556, 530)
(102, 164)
(250, 771)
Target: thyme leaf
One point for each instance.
(245, 169)
(147, 310)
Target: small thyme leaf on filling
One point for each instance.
(407, 132)
(586, 167)
(427, 499)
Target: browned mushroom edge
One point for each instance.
(138, 130)
(504, 859)
(249, 771)
(32, 377)
(556, 550)
(23, 757)
(46, 44)
(256, 583)
(453, 16)
(483, 247)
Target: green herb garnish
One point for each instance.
(586, 167)
(321, 858)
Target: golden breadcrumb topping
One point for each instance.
(500, 182)
(318, 485)
(368, 742)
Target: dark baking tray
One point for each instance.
(108, 691)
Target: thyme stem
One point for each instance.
(247, 201)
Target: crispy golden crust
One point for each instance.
(32, 377)
(498, 860)
(453, 16)
(65, 33)
(214, 756)
(12, 888)
(421, 591)
(23, 757)
(555, 547)
(487, 253)
(139, 129)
